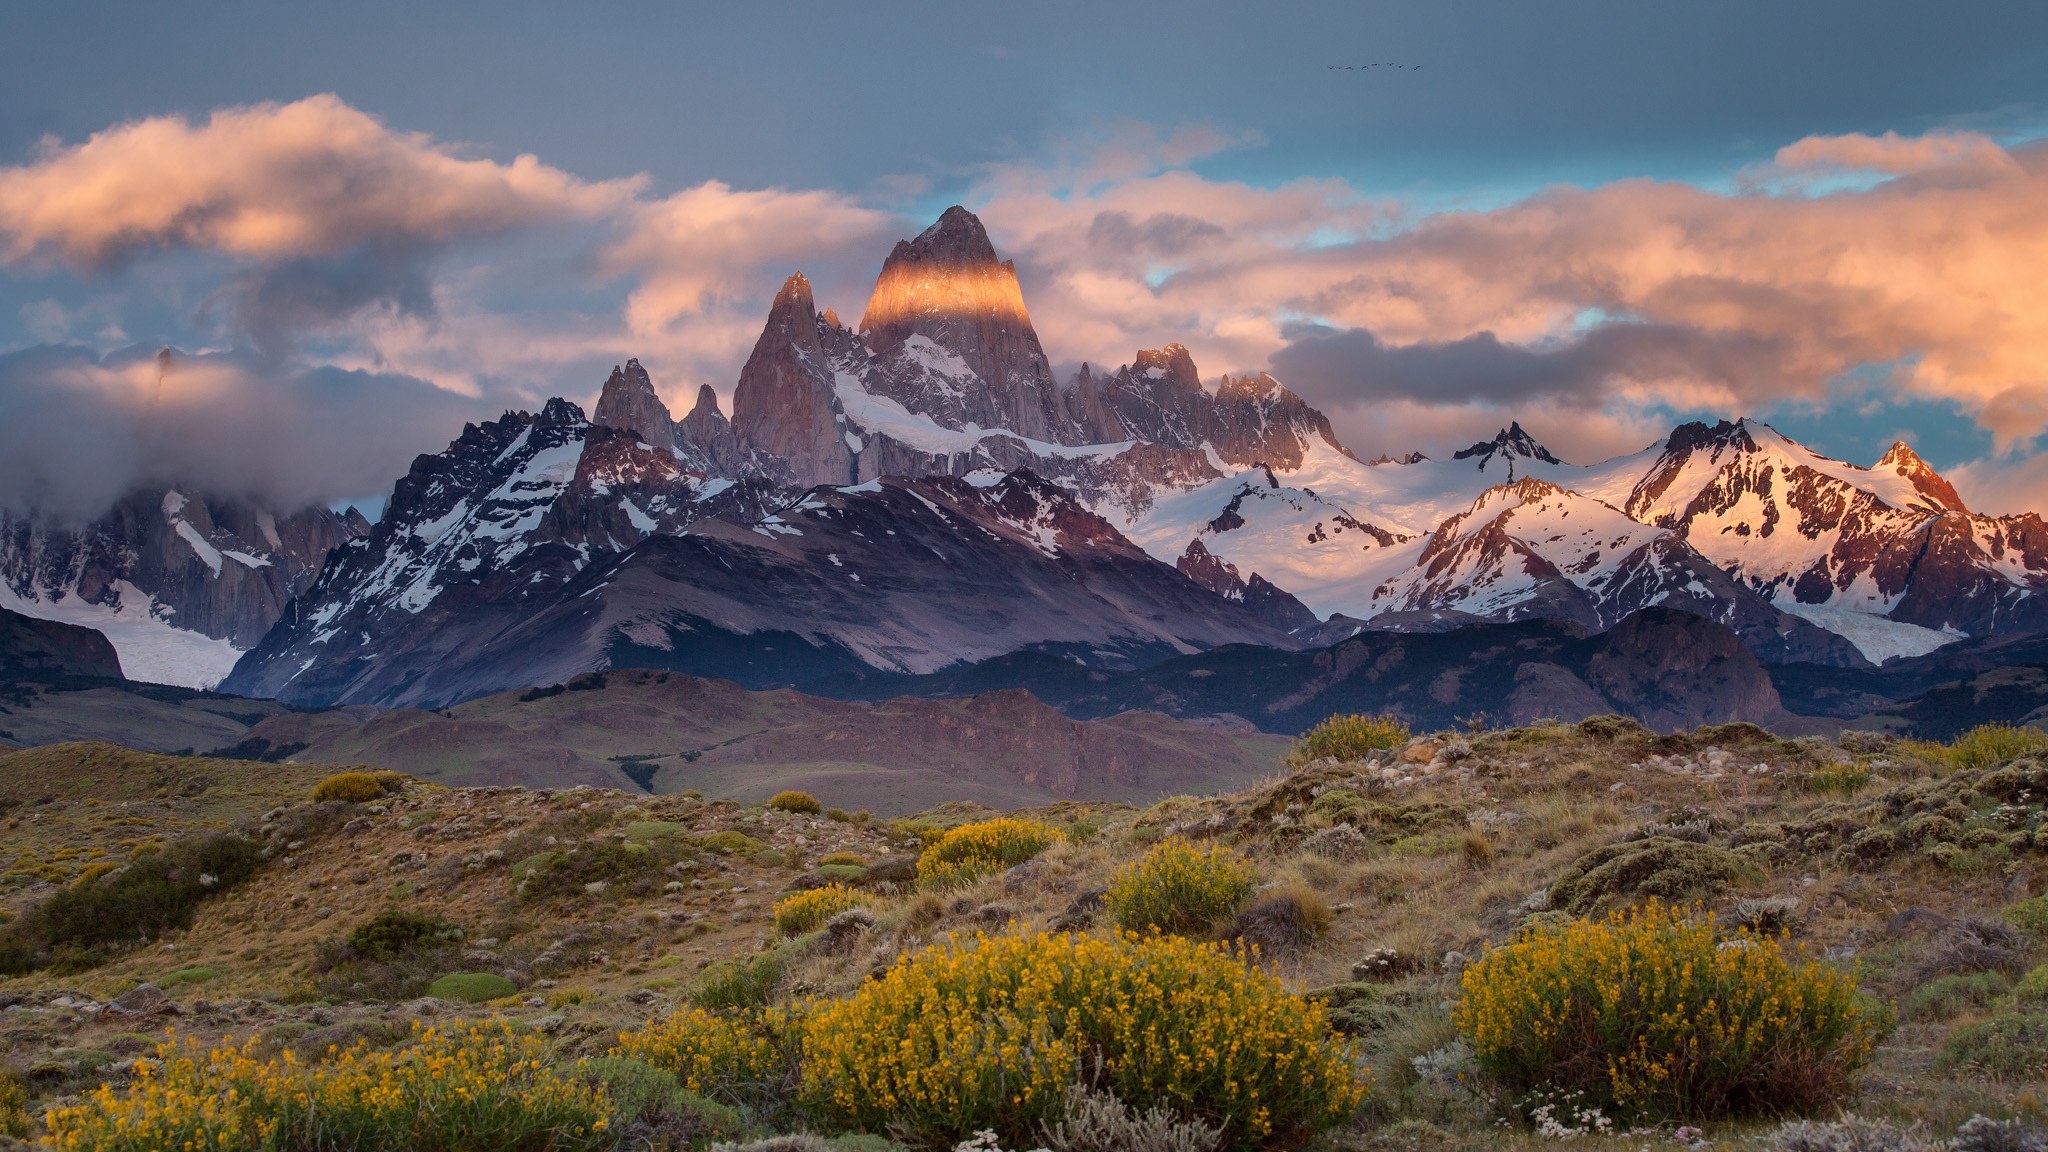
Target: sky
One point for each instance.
(359, 226)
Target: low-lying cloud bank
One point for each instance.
(78, 430)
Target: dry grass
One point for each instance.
(1448, 863)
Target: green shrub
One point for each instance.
(984, 848)
(1350, 738)
(352, 788)
(735, 984)
(1946, 997)
(2031, 915)
(840, 873)
(991, 1035)
(2008, 1048)
(84, 924)
(471, 987)
(732, 843)
(1180, 887)
(183, 976)
(396, 932)
(791, 800)
(655, 1112)
(1655, 867)
(2032, 988)
(648, 831)
(571, 872)
(1657, 1015)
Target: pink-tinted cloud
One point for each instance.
(1743, 300)
(707, 248)
(273, 182)
(1892, 153)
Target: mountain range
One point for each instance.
(918, 494)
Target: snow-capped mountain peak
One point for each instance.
(1508, 448)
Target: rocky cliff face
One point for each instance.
(180, 582)
(503, 518)
(785, 408)
(630, 404)
(951, 339)
(38, 648)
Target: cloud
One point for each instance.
(78, 430)
(333, 211)
(1628, 293)
(712, 246)
(272, 181)
(1353, 365)
(1893, 154)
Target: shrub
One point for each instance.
(1657, 867)
(183, 976)
(471, 987)
(731, 984)
(2032, 988)
(352, 788)
(1660, 1015)
(1610, 728)
(2004, 1048)
(1983, 746)
(571, 872)
(2030, 915)
(745, 1058)
(1350, 738)
(1282, 921)
(801, 912)
(732, 843)
(845, 859)
(1092, 1121)
(396, 932)
(989, 1035)
(1849, 1134)
(14, 1121)
(654, 1112)
(155, 893)
(972, 851)
(472, 1088)
(791, 800)
(1180, 887)
(648, 831)
(1947, 997)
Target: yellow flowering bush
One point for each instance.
(791, 800)
(1350, 738)
(744, 1057)
(800, 912)
(1658, 1014)
(1180, 886)
(972, 851)
(471, 1088)
(353, 787)
(1983, 746)
(991, 1033)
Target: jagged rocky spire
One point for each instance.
(629, 403)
